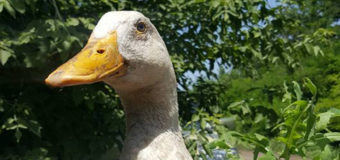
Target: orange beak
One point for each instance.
(98, 60)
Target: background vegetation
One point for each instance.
(250, 75)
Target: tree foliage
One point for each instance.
(86, 122)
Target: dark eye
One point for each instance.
(100, 51)
(141, 27)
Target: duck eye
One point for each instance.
(141, 27)
(100, 51)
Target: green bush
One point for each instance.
(264, 46)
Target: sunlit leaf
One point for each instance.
(324, 120)
(4, 56)
(333, 136)
(72, 22)
(9, 8)
(195, 118)
(311, 86)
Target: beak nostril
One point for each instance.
(100, 51)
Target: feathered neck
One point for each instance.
(153, 131)
(153, 107)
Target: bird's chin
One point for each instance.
(121, 72)
(123, 83)
(119, 77)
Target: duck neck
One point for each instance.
(152, 123)
(151, 108)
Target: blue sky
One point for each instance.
(273, 3)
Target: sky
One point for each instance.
(273, 3)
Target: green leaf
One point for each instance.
(323, 121)
(199, 1)
(218, 143)
(287, 97)
(301, 103)
(293, 133)
(9, 8)
(203, 123)
(208, 150)
(215, 4)
(72, 22)
(27, 37)
(326, 153)
(256, 34)
(18, 135)
(256, 53)
(4, 56)
(325, 118)
(335, 111)
(316, 50)
(245, 109)
(259, 136)
(34, 127)
(312, 88)
(310, 130)
(268, 156)
(1, 7)
(297, 90)
(333, 136)
(309, 48)
(19, 5)
(195, 117)
(234, 104)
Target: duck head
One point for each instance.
(124, 50)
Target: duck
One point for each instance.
(126, 52)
